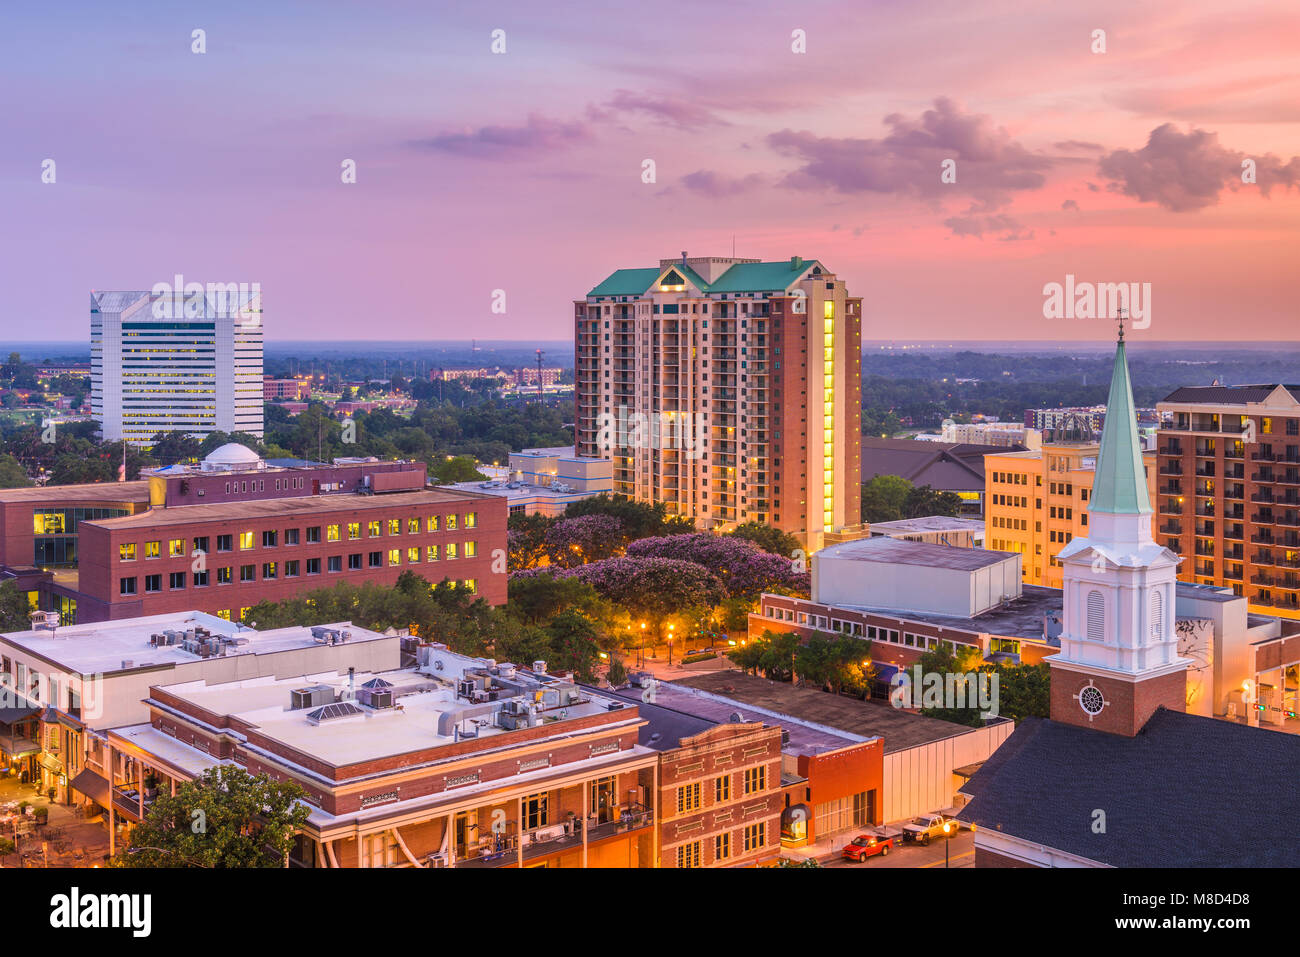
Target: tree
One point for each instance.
(225, 818)
(835, 662)
(535, 599)
(526, 540)
(745, 570)
(768, 538)
(14, 608)
(883, 498)
(771, 654)
(586, 538)
(640, 519)
(12, 474)
(458, 468)
(925, 501)
(172, 447)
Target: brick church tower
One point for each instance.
(1119, 658)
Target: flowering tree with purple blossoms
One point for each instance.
(745, 570)
(571, 542)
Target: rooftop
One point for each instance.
(1228, 394)
(137, 491)
(931, 523)
(740, 276)
(835, 713)
(681, 710)
(427, 712)
(893, 551)
(1167, 792)
(283, 507)
(102, 647)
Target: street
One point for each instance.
(961, 853)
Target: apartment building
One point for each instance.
(1036, 503)
(176, 362)
(728, 389)
(235, 530)
(1229, 495)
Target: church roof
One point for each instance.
(1186, 791)
(1120, 485)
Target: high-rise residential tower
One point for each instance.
(728, 389)
(176, 362)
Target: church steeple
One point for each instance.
(1120, 486)
(1119, 651)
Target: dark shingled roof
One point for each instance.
(1186, 791)
(1223, 394)
(664, 727)
(944, 466)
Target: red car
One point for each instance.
(866, 845)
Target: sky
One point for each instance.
(524, 171)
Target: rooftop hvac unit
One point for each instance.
(310, 697)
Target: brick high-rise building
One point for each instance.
(1229, 496)
(728, 389)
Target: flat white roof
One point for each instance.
(410, 725)
(931, 523)
(166, 748)
(101, 647)
(895, 551)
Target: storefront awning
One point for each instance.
(50, 763)
(92, 785)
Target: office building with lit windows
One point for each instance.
(1036, 503)
(235, 530)
(727, 389)
(164, 363)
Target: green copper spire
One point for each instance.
(1120, 486)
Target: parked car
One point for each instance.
(866, 845)
(922, 829)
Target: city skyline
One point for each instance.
(1113, 167)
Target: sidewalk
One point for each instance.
(58, 841)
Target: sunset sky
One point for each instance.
(522, 171)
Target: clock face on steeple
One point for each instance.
(1091, 700)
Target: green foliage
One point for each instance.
(617, 672)
(1023, 690)
(11, 472)
(836, 663)
(172, 447)
(13, 608)
(883, 498)
(640, 519)
(526, 540)
(771, 654)
(242, 820)
(924, 501)
(458, 468)
(768, 538)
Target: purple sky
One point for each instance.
(522, 171)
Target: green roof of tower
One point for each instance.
(1120, 485)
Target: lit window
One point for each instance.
(126, 553)
(394, 556)
(246, 540)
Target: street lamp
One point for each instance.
(643, 644)
(670, 646)
(947, 831)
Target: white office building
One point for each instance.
(167, 362)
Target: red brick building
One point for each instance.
(459, 762)
(234, 531)
(297, 389)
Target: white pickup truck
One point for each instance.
(921, 829)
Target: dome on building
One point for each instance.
(232, 455)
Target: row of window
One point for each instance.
(271, 538)
(291, 569)
(855, 629)
(690, 796)
(752, 838)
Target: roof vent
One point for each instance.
(796, 262)
(736, 717)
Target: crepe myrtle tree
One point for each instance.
(226, 818)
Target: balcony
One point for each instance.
(1262, 559)
(1171, 528)
(1170, 489)
(1171, 468)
